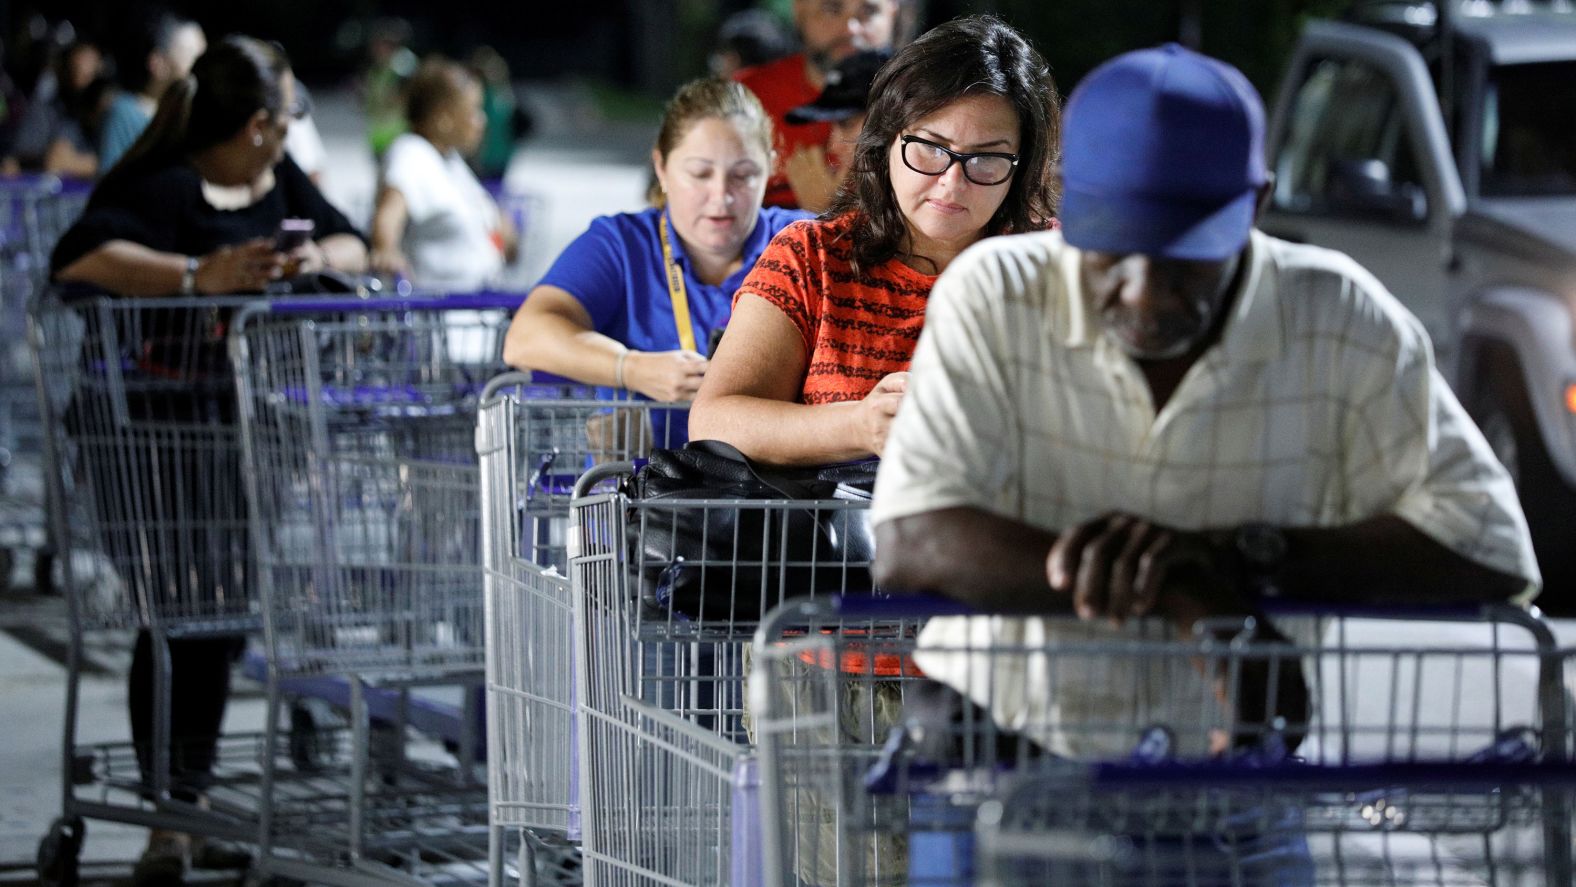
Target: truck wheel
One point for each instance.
(1504, 414)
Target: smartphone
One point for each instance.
(292, 233)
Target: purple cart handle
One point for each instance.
(462, 302)
(897, 606)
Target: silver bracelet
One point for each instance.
(189, 276)
(618, 369)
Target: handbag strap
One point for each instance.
(790, 488)
(676, 289)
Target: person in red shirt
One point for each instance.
(816, 172)
(829, 31)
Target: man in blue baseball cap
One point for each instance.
(1158, 410)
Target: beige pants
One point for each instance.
(826, 762)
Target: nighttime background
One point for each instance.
(646, 47)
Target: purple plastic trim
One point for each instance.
(458, 302)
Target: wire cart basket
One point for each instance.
(536, 438)
(1426, 747)
(34, 210)
(141, 441)
(358, 421)
(665, 741)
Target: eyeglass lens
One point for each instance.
(933, 160)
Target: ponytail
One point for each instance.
(233, 80)
(166, 132)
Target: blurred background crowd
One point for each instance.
(73, 69)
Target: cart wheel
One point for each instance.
(44, 572)
(82, 772)
(312, 747)
(59, 852)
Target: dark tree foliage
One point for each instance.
(1075, 35)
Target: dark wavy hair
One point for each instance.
(977, 55)
(234, 79)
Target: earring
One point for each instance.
(257, 139)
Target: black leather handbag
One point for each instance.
(762, 534)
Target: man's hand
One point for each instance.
(813, 179)
(1121, 567)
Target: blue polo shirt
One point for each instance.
(615, 270)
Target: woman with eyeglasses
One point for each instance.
(193, 207)
(958, 145)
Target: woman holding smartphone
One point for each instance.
(205, 203)
(196, 205)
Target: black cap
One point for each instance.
(847, 89)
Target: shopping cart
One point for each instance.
(34, 211)
(357, 420)
(663, 735)
(139, 414)
(535, 438)
(1434, 750)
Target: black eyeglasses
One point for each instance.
(930, 159)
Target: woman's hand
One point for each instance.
(879, 408)
(308, 258)
(240, 268)
(665, 376)
(389, 261)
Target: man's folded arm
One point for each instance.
(987, 561)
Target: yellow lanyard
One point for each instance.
(676, 291)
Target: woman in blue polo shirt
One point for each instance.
(633, 303)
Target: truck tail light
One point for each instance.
(1570, 397)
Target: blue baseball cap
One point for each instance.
(1162, 154)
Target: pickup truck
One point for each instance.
(1435, 143)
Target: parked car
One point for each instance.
(1433, 142)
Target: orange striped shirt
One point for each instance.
(856, 329)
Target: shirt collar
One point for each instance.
(756, 243)
(1253, 331)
